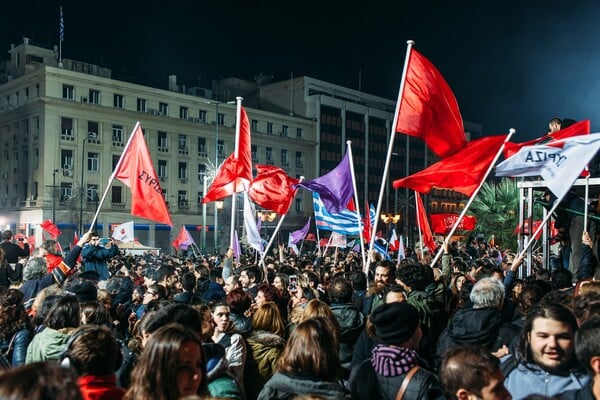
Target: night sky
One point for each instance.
(511, 64)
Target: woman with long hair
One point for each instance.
(171, 366)
(309, 365)
(16, 330)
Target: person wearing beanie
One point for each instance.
(395, 369)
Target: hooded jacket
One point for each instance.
(283, 386)
(265, 348)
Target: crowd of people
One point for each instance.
(96, 323)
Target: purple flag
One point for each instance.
(335, 187)
(300, 234)
(236, 246)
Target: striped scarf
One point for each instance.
(393, 361)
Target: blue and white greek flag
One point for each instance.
(346, 222)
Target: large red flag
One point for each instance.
(52, 229)
(424, 224)
(579, 128)
(462, 171)
(235, 174)
(428, 108)
(272, 189)
(135, 170)
(367, 223)
(443, 223)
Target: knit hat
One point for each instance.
(35, 268)
(85, 292)
(395, 323)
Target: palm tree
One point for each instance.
(496, 208)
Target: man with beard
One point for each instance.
(385, 272)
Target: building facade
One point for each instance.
(63, 129)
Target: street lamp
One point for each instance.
(390, 219)
(218, 208)
(266, 216)
(81, 186)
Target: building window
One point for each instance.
(284, 158)
(202, 116)
(118, 101)
(117, 134)
(93, 163)
(221, 119)
(254, 151)
(221, 150)
(69, 92)
(182, 144)
(37, 90)
(299, 161)
(91, 193)
(183, 112)
(284, 130)
(141, 105)
(93, 130)
(202, 147)
(298, 204)
(201, 171)
(162, 169)
(299, 133)
(66, 191)
(254, 125)
(66, 128)
(116, 194)
(115, 160)
(94, 96)
(182, 198)
(270, 128)
(182, 172)
(66, 160)
(163, 109)
(269, 155)
(162, 141)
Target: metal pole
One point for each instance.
(216, 231)
(54, 196)
(204, 178)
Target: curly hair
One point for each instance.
(13, 316)
(415, 276)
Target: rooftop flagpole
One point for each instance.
(388, 157)
(61, 38)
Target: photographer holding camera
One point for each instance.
(95, 254)
(12, 252)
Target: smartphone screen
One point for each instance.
(293, 283)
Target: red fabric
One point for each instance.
(424, 224)
(100, 387)
(137, 171)
(310, 237)
(351, 206)
(579, 128)
(525, 229)
(52, 261)
(272, 189)
(75, 240)
(462, 171)
(367, 228)
(183, 239)
(49, 227)
(235, 175)
(394, 242)
(443, 223)
(428, 108)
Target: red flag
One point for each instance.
(462, 171)
(272, 189)
(183, 239)
(75, 240)
(443, 223)
(135, 170)
(367, 224)
(49, 227)
(428, 108)
(394, 242)
(310, 237)
(234, 175)
(579, 128)
(422, 221)
(524, 230)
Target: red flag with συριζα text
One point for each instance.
(135, 170)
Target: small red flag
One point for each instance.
(183, 239)
(49, 227)
(424, 224)
(428, 108)
(462, 171)
(235, 174)
(135, 170)
(272, 189)
(367, 224)
(443, 223)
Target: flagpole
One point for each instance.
(272, 239)
(357, 206)
(511, 132)
(388, 157)
(238, 126)
(61, 38)
(540, 227)
(112, 176)
(587, 196)
(419, 224)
